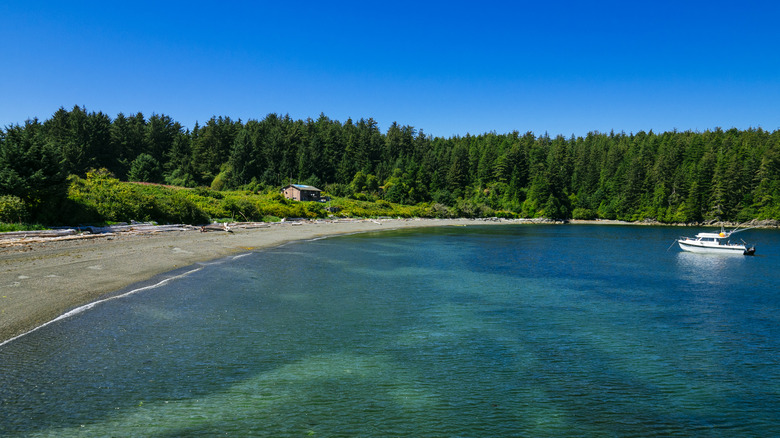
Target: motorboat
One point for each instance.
(716, 243)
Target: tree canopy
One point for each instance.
(669, 177)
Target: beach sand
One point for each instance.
(41, 281)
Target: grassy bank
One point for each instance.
(100, 198)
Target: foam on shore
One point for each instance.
(88, 306)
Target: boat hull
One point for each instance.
(695, 246)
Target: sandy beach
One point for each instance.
(42, 280)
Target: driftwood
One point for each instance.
(216, 227)
(20, 238)
(37, 233)
(142, 227)
(250, 225)
(107, 229)
(160, 228)
(20, 241)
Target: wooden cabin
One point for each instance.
(300, 192)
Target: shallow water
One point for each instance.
(466, 331)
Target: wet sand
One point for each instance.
(41, 281)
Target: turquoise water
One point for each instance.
(463, 331)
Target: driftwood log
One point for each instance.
(19, 238)
(37, 234)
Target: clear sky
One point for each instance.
(449, 68)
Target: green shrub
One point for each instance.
(254, 186)
(277, 196)
(337, 189)
(219, 181)
(180, 178)
(102, 198)
(438, 210)
(207, 192)
(242, 208)
(471, 208)
(315, 209)
(5, 227)
(583, 214)
(13, 209)
(178, 209)
(504, 214)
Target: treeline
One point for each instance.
(669, 177)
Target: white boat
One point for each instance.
(715, 243)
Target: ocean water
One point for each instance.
(460, 331)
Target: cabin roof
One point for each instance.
(713, 235)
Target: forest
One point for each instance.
(48, 167)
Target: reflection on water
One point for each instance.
(714, 269)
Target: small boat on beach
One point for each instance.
(716, 243)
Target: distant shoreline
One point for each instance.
(44, 279)
(768, 224)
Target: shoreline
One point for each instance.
(42, 280)
(762, 224)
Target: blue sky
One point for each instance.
(449, 68)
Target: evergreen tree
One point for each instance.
(145, 168)
(161, 132)
(178, 167)
(30, 166)
(211, 147)
(247, 160)
(457, 175)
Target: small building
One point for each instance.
(300, 192)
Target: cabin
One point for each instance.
(300, 192)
